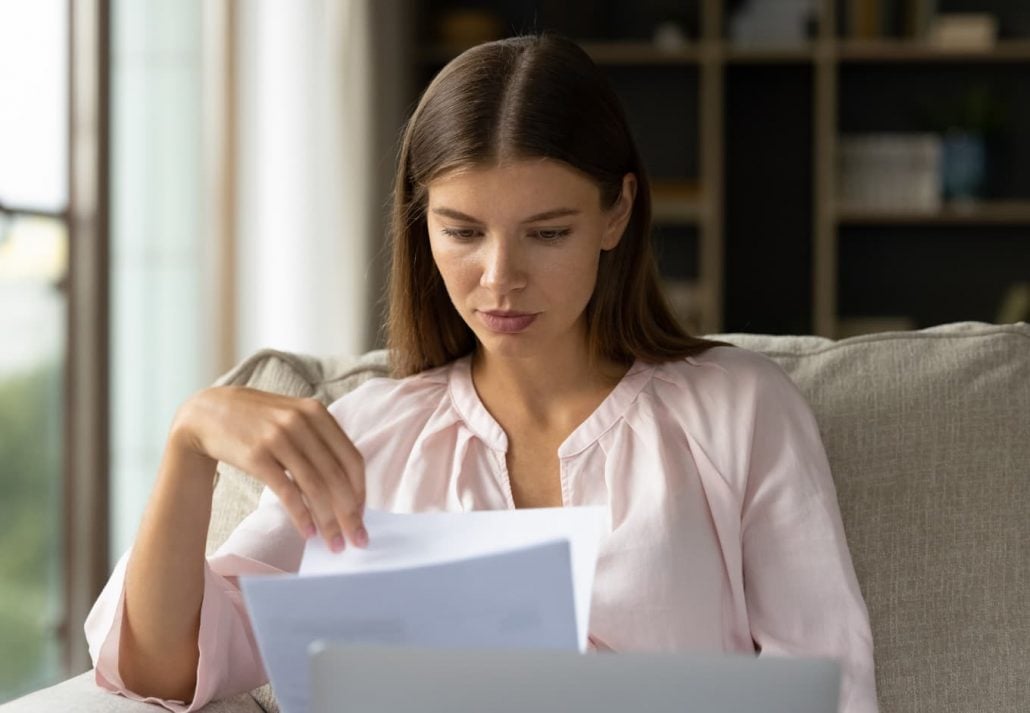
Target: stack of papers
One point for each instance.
(512, 579)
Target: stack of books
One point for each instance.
(896, 172)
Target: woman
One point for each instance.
(535, 364)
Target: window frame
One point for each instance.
(87, 407)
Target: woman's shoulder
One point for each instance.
(373, 400)
(727, 370)
(726, 390)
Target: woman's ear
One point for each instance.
(618, 215)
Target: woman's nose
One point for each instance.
(503, 269)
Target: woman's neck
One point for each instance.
(547, 387)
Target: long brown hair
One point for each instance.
(520, 98)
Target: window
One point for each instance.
(34, 41)
(53, 334)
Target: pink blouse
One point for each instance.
(725, 534)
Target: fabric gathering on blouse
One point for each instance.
(724, 532)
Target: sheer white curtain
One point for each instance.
(270, 179)
(308, 195)
(159, 351)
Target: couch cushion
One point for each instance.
(928, 436)
(82, 695)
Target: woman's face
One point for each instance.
(518, 247)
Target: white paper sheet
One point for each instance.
(495, 579)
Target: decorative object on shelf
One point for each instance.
(776, 23)
(920, 14)
(963, 31)
(461, 27)
(669, 36)
(963, 166)
(889, 172)
(967, 126)
(1015, 305)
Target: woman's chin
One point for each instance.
(513, 346)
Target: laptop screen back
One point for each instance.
(378, 679)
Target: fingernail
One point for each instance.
(361, 537)
(337, 544)
(310, 532)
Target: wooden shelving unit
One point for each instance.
(699, 201)
(911, 51)
(979, 213)
(831, 55)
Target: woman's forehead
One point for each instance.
(514, 184)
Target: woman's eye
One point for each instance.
(552, 235)
(460, 233)
(467, 234)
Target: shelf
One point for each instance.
(615, 52)
(768, 55)
(676, 202)
(641, 52)
(676, 212)
(987, 212)
(913, 51)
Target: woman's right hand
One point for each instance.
(293, 445)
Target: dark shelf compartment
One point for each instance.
(676, 248)
(768, 202)
(932, 274)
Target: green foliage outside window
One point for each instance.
(30, 529)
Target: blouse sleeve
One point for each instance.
(802, 594)
(265, 542)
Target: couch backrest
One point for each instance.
(928, 436)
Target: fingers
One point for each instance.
(295, 446)
(341, 447)
(290, 496)
(321, 479)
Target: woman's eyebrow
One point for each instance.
(546, 215)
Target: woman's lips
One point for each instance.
(506, 322)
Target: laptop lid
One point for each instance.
(384, 679)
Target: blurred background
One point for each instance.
(183, 182)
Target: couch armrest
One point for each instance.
(82, 694)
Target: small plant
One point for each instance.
(977, 111)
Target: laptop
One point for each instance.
(348, 678)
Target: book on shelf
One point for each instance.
(865, 19)
(877, 19)
(675, 200)
(889, 171)
(675, 189)
(921, 20)
(963, 31)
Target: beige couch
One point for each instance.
(928, 434)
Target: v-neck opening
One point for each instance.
(483, 424)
